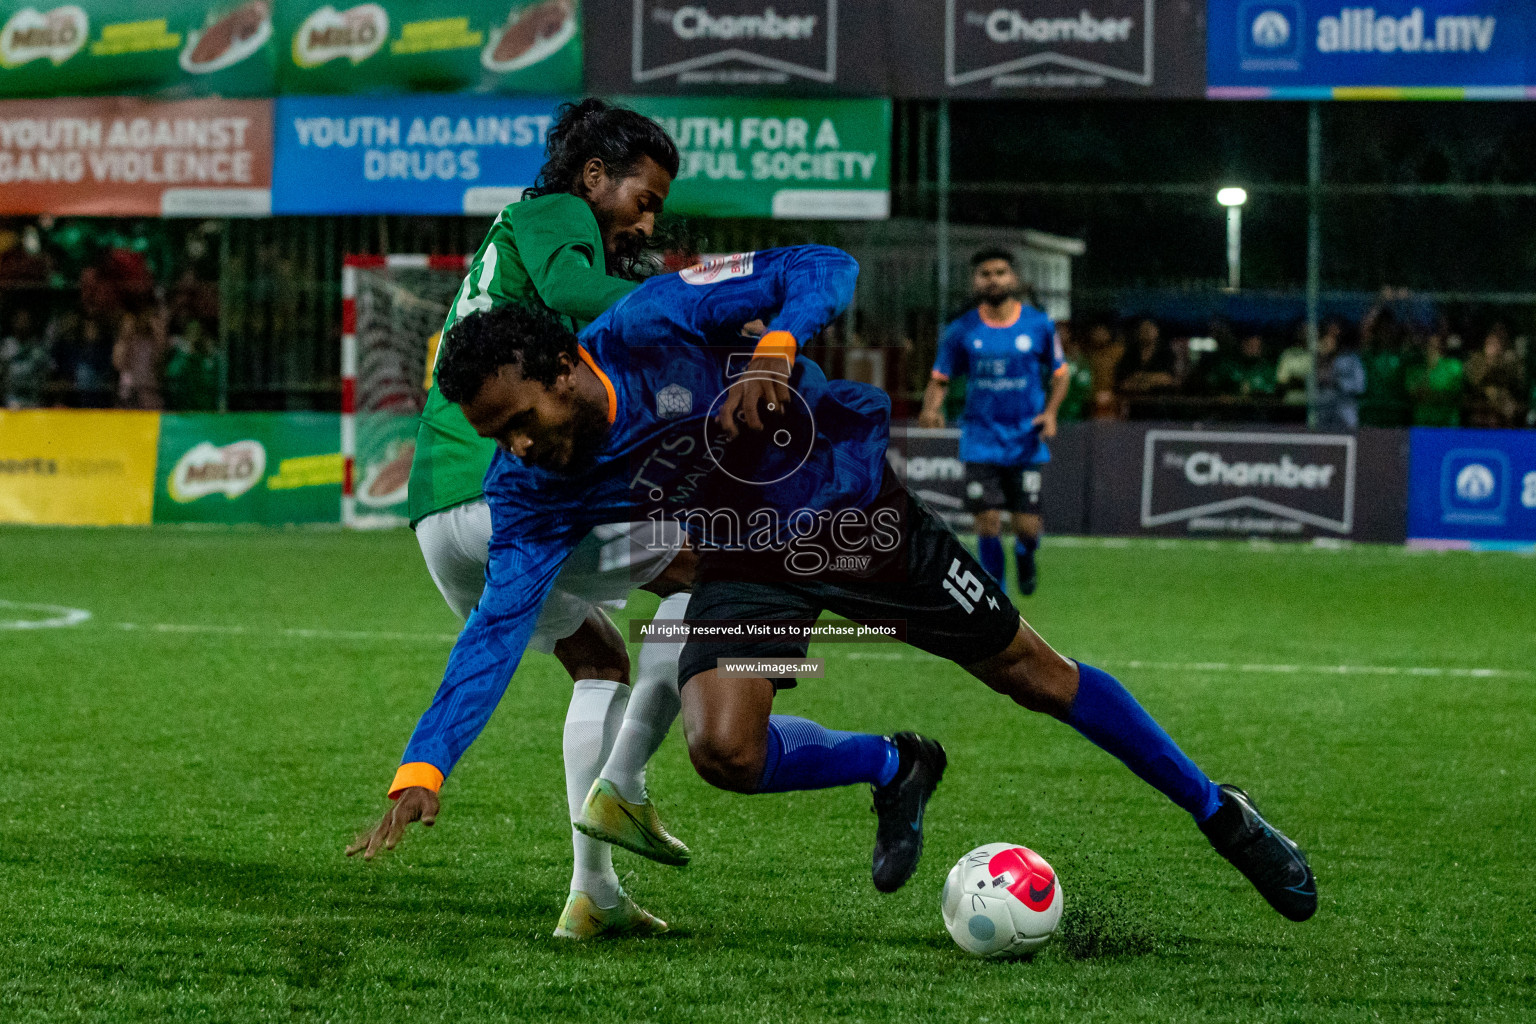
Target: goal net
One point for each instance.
(393, 308)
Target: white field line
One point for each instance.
(1232, 666)
(293, 633)
(58, 616)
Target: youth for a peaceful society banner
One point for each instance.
(170, 48)
(273, 468)
(787, 158)
(407, 154)
(529, 46)
(118, 156)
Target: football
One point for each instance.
(1001, 900)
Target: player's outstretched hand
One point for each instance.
(761, 396)
(1046, 421)
(415, 804)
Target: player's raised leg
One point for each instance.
(1095, 704)
(618, 809)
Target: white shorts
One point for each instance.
(611, 561)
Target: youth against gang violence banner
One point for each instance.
(709, 47)
(518, 46)
(173, 48)
(994, 48)
(783, 158)
(120, 156)
(1323, 49)
(407, 154)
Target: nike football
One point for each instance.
(1001, 900)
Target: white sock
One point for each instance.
(653, 706)
(591, 722)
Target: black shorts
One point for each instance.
(929, 586)
(1010, 488)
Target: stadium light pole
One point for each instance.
(1233, 199)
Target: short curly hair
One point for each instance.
(480, 344)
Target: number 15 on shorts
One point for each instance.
(964, 587)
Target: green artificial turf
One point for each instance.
(174, 803)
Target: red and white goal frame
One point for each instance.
(350, 364)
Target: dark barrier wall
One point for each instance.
(1171, 480)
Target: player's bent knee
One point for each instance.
(725, 763)
(1031, 674)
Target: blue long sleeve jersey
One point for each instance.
(666, 354)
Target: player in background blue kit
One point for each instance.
(1007, 350)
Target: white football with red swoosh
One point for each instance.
(1002, 900)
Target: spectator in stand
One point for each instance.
(192, 371)
(1495, 382)
(1104, 350)
(138, 356)
(1247, 373)
(24, 362)
(1296, 362)
(1340, 383)
(1148, 366)
(1385, 402)
(1079, 401)
(1436, 385)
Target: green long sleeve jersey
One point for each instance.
(546, 251)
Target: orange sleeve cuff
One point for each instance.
(1060, 370)
(941, 376)
(416, 773)
(777, 343)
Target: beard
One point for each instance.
(589, 424)
(993, 295)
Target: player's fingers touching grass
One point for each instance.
(415, 804)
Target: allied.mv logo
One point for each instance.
(674, 401)
(1271, 30)
(1475, 482)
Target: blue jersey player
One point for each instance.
(661, 409)
(1007, 351)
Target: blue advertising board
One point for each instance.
(1471, 488)
(441, 154)
(1384, 49)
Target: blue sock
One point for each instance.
(1024, 547)
(1106, 713)
(989, 551)
(804, 755)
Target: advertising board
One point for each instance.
(75, 468)
(121, 156)
(272, 468)
(713, 47)
(1472, 489)
(407, 154)
(782, 158)
(1389, 49)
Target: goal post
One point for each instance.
(392, 309)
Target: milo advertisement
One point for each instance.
(438, 46)
(270, 468)
(175, 48)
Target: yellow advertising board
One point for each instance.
(65, 467)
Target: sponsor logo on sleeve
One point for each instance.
(1049, 43)
(1278, 484)
(30, 35)
(735, 42)
(719, 268)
